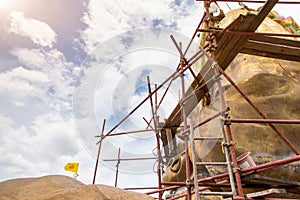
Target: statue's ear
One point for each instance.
(175, 164)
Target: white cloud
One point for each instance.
(49, 143)
(21, 81)
(41, 148)
(39, 32)
(47, 76)
(106, 19)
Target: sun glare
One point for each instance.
(3, 3)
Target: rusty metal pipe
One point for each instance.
(262, 121)
(154, 116)
(99, 150)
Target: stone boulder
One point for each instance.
(62, 187)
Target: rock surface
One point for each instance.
(273, 85)
(62, 187)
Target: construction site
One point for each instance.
(234, 134)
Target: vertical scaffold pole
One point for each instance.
(99, 149)
(117, 167)
(186, 136)
(236, 169)
(155, 117)
(195, 171)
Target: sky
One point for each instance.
(68, 65)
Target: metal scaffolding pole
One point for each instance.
(184, 115)
(236, 170)
(117, 167)
(155, 117)
(99, 150)
(262, 121)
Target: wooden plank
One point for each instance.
(275, 40)
(228, 47)
(266, 192)
(263, 13)
(271, 181)
(272, 51)
(239, 24)
(273, 47)
(225, 54)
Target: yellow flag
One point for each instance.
(73, 167)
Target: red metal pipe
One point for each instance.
(159, 165)
(128, 132)
(140, 188)
(149, 123)
(263, 121)
(211, 118)
(99, 150)
(186, 137)
(154, 116)
(117, 170)
(180, 184)
(208, 119)
(162, 190)
(129, 159)
(273, 164)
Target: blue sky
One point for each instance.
(56, 53)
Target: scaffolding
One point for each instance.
(221, 47)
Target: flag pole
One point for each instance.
(75, 175)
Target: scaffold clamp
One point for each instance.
(236, 170)
(188, 183)
(227, 144)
